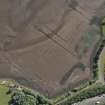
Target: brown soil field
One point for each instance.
(48, 44)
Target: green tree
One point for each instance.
(28, 98)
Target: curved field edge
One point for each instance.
(70, 97)
(96, 88)
(96, 72)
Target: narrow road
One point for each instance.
(92, 101)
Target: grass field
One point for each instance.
(4, 98)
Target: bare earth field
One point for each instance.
(48, 44)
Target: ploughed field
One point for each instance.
(48, 44)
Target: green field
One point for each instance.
(4, 98)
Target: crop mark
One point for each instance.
(55, 41)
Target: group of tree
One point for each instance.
(26, 97)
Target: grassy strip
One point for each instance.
(101, 65)
(72, 92)
(89, 92)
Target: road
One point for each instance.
(92, 101)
